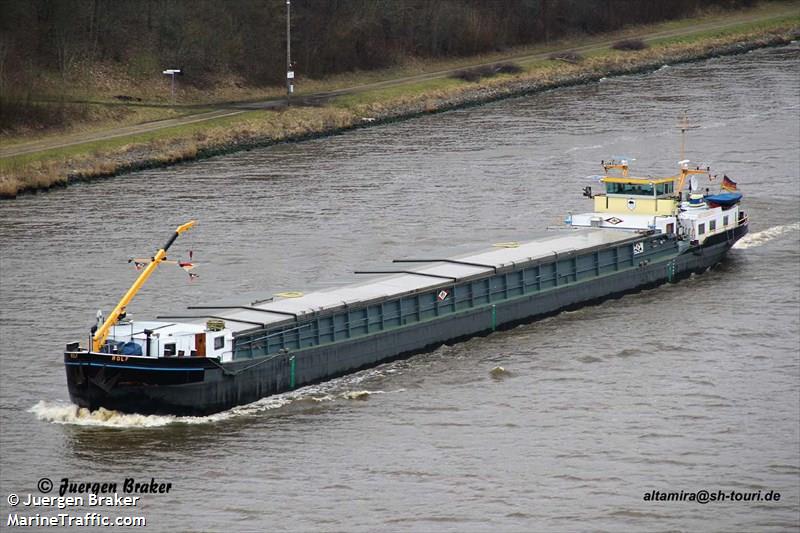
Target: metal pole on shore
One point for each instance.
(289, 72)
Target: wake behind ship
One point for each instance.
(642, 232)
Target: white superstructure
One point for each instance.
(660, 205)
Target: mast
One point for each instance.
(684, 125)
(685, 171)
(100, 336)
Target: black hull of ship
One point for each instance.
(200, 386)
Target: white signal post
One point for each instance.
(172, 72)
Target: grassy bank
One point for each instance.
(366, 106)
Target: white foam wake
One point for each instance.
(579, 148)
(67, 413)
(762, 237)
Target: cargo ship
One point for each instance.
(641, 232)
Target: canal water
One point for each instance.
(687, 387)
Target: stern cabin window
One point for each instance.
(712, 225)
(219, 342)
(701, 229)
(725, 220)
(169, 349)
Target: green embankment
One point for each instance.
(410, 93)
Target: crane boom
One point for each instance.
(101, 334)
(684, 173)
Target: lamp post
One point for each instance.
(289, 70)
(172, 72)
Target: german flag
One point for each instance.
(728, 184)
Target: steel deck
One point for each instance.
(404, 276)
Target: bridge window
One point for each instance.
(701, 229)
(664, 188)
(712, 225)
(725, 220)
(219, 342)
(637, 189)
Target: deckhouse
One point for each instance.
(659, 204)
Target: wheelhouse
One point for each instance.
(655, 188)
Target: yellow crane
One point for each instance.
(100, 336)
